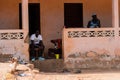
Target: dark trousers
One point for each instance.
(36, 50)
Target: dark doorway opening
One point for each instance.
(73, 15)
(34, 17)
(20, 16)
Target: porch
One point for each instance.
(102, 33)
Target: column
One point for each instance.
(115, 13)
(115, 18)
(25, 24)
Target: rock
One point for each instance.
(21, 67)
(13, 65)
(35, 71)
(9, 76)
(31, 66)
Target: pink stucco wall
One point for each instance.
(12, 42)
(52, 15)
(9, 18)
(91, 48)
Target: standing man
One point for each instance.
(36, 44)
(94, 23)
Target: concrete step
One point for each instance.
(49, 65)
(5, 57)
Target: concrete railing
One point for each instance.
(12, 42)
(89, 48)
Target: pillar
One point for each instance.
(115, 13)
(115, 18)
(25, 15)
(25, 27)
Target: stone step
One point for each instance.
(5, 57)
(49, 65)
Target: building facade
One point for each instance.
(51, 23)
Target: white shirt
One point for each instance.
(36, 39)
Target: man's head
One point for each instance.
(37, 32)
(94, 16)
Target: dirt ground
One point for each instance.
(53, 70)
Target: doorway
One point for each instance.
(73, 15)
(34, 17)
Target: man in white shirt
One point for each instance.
(36, 42)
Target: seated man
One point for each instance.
(94, 23)
(36, 46)
(57, 49)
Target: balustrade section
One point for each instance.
(91, 48)
(12, 43)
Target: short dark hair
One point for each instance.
(94, 14)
